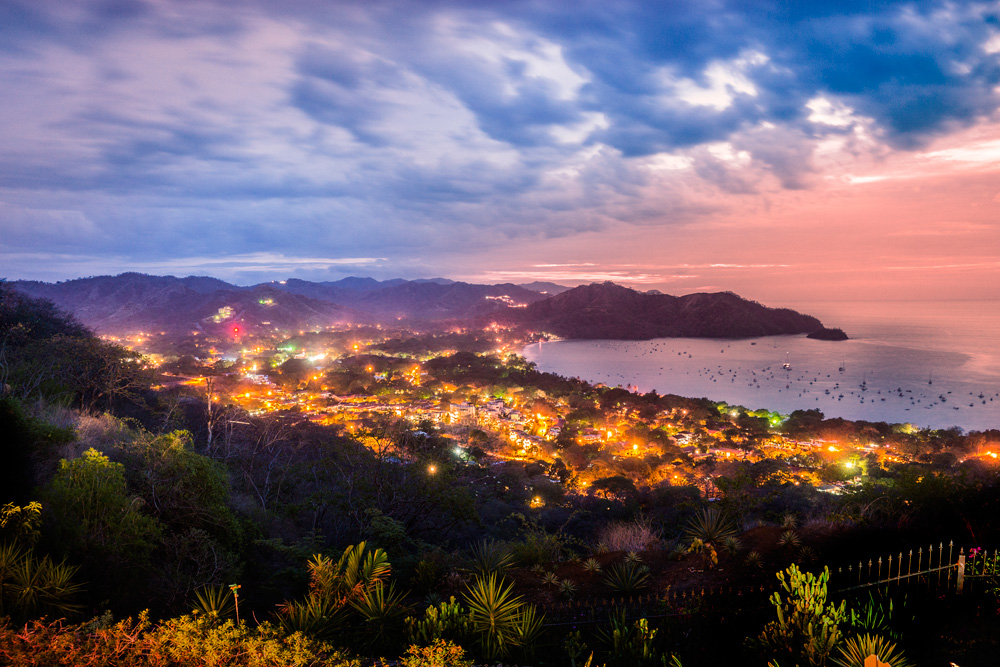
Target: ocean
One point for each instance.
(934, 364)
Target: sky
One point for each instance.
(787, 151)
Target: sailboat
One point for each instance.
(843, 366)
(787, 366)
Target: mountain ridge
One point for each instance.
(135, 302)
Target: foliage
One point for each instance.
(807, 628)
(500, 619)
(441, 653)
(626, 578)
(709, 556)
(446, 621)
(567, 588)
(710, 526)
(94, 517)
(630, 644)
(489, 557)
(21, 524)
(356, 578)
(381, 609)
(636, 535)
(855, 650)
(214, 602)
(186, 641)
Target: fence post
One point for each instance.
(961, 573)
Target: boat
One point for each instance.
(843, 366)
(787, 366)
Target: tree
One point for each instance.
(616, 487)
(97, 521)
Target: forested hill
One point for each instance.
(607, 310)
(133, 302)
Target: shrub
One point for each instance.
(710, 526)
(489, 557)
(627, 578)
(441, 653)
(807, 628)
(856, 649)
(567, 588)
(448, 621)
(635, 535)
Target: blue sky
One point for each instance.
(780, 150)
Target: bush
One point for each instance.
(181, 642)
(441, 653)
(635, 535)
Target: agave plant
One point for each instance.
(381, 607)
(214, 602)
(710, 526)
(41, 586)
(495, 613)
(529, 627)
(789, 539)
(550, 579)
(632, 557)
(855, 650)
(806, 554)
(489, 557)
(754, 560)
(592, 565)
(732, 545)
(627, 578)
(567, 588)
(789, 520)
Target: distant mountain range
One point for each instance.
(137, 302)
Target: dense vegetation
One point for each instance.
(133, 514)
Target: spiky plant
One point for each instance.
(789, 520)
(314, 616)
(447, 620)
(489, 557)
(43, 586)
(790, 539)
(550, 579)
(855, 650)
(601, 548)
(381, 607)
(806, 554)
(732, 545)
(592, 565)
(627, 578)
(567, 588)
(214, 602)
(754, 560)
(633, 557)
(710, 526)
(538, 569)
(495, 614)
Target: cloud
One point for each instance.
(377, 128)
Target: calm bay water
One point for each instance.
(931, 363)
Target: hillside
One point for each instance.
(606, 310)
(137, 302)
